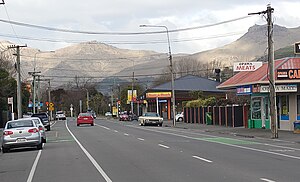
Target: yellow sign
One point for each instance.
(159, 95)
(51, 108)
(130, 95)
(114, 111)
(51, 104)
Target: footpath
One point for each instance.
(289, 136)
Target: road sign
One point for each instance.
(51, 108)
(51, 104)
(10, 100)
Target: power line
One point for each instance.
(117, 33)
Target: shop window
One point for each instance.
(256, 108)
(298, 107)
(284, 107)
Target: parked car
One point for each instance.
(85, 118)
(44, 118)
(60, 115)
(179, 117)
(108, 114)
(41, 127)
(150, 118)
(21, 133)
(124, 117)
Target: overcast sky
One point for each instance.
(127, 15)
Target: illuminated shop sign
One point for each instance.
(288, 74)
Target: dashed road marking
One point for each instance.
(267, 180)
(126, 134)
(116, 131)
(141, 139)
(164, 146)
(200, 158)
(102, 127)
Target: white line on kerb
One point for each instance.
(141, 139)
(33, 168)
(164, 146)
(267, 180)
(200, 158)
(94, 162)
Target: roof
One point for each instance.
(190, 83)
(260, 76)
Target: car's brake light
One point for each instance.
(41, 128)
(33, 130)
(8, 133)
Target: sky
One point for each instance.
(126, 16)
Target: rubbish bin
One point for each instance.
(208, 118)
(297, 127)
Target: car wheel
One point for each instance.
(40, 146)
(92, 124)
(44, 140)
(160, 124)
(180, 119)
(48, 128)
(5, 150)
(78, 124)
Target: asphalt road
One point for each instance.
(124, 151)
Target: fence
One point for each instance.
(229, 116)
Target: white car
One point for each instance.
(108, 114)
(179, 117)
(60, 115)
(151, 118)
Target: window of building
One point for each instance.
(284, 101)
(256, 108)
(298, 107)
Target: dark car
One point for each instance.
(44, 118)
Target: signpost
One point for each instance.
(10, 101)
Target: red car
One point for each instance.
(124, 117)
(85, 118)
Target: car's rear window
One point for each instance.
(85, 114)
(19, 124)
(40, 115)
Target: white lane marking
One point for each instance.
(116, 131)
(284, 147)
(232, 145)
(141, 139)
(53, 123)
(126, 134)
(200, 158)
(94, 162)
(33, 168)
(164, 146)
(267, 180)
(102, 127)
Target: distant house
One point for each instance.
(183, 87)
(256, 84)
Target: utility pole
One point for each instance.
(49, 93)
(34, 74)
(19, 83)
(132, 85)
(273, 107)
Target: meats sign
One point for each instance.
(246, 66)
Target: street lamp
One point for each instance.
(171, 67)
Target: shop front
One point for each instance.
(256, 84)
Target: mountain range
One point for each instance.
(96, 62)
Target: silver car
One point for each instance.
(151, 118)
(21, 133)
(41, 127)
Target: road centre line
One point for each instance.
(141, 139)
(94, 162)
(102, 126)
(236, 146)
(33, 168)
(164, 146)
(126, 134)
(200, 158)
(116, 131)
(267, 180)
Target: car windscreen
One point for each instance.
(85, 114)
(151, 114)
(19, 124)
